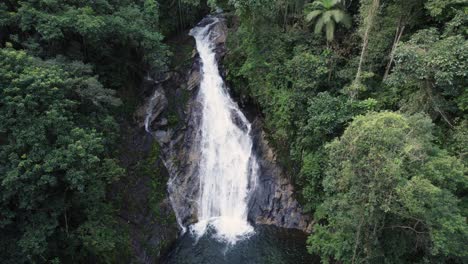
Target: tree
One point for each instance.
(327, 14)
(119, 37)
(431, 73)
(369, 13)
(55, 162)
(404, 14)
(390, 195)
(440, 9)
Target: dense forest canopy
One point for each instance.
(365, 102)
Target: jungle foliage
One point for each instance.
(365, 102)
(68, 73)
(370, 121)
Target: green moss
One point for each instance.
(182, 54)
(173, 119)
(181, 100)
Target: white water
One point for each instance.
(149, 111)
(227, 168)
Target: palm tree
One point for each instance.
(327, 13)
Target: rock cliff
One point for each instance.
(175, 94)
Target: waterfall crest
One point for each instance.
(227, 167)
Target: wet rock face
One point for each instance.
(152, 108)
(271, 203)
(149, 224)
(177, 141)
(218, 31)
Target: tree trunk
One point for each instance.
(365, 42)
(356, 242)
(331, 62)
(398, 34)
(429, 87)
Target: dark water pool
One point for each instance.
(269, 245)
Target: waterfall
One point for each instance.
(149, 111)
(227, 168)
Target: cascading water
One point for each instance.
(149, 111)
(228, 168)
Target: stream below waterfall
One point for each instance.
(269, 245)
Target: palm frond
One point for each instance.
(329, 4)
(326, 13)
(319, 25)
(330, 30)
(326, 17)
(312, 15)
(311, 7)
(335, 2)
(318, 4)
(337, 15)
